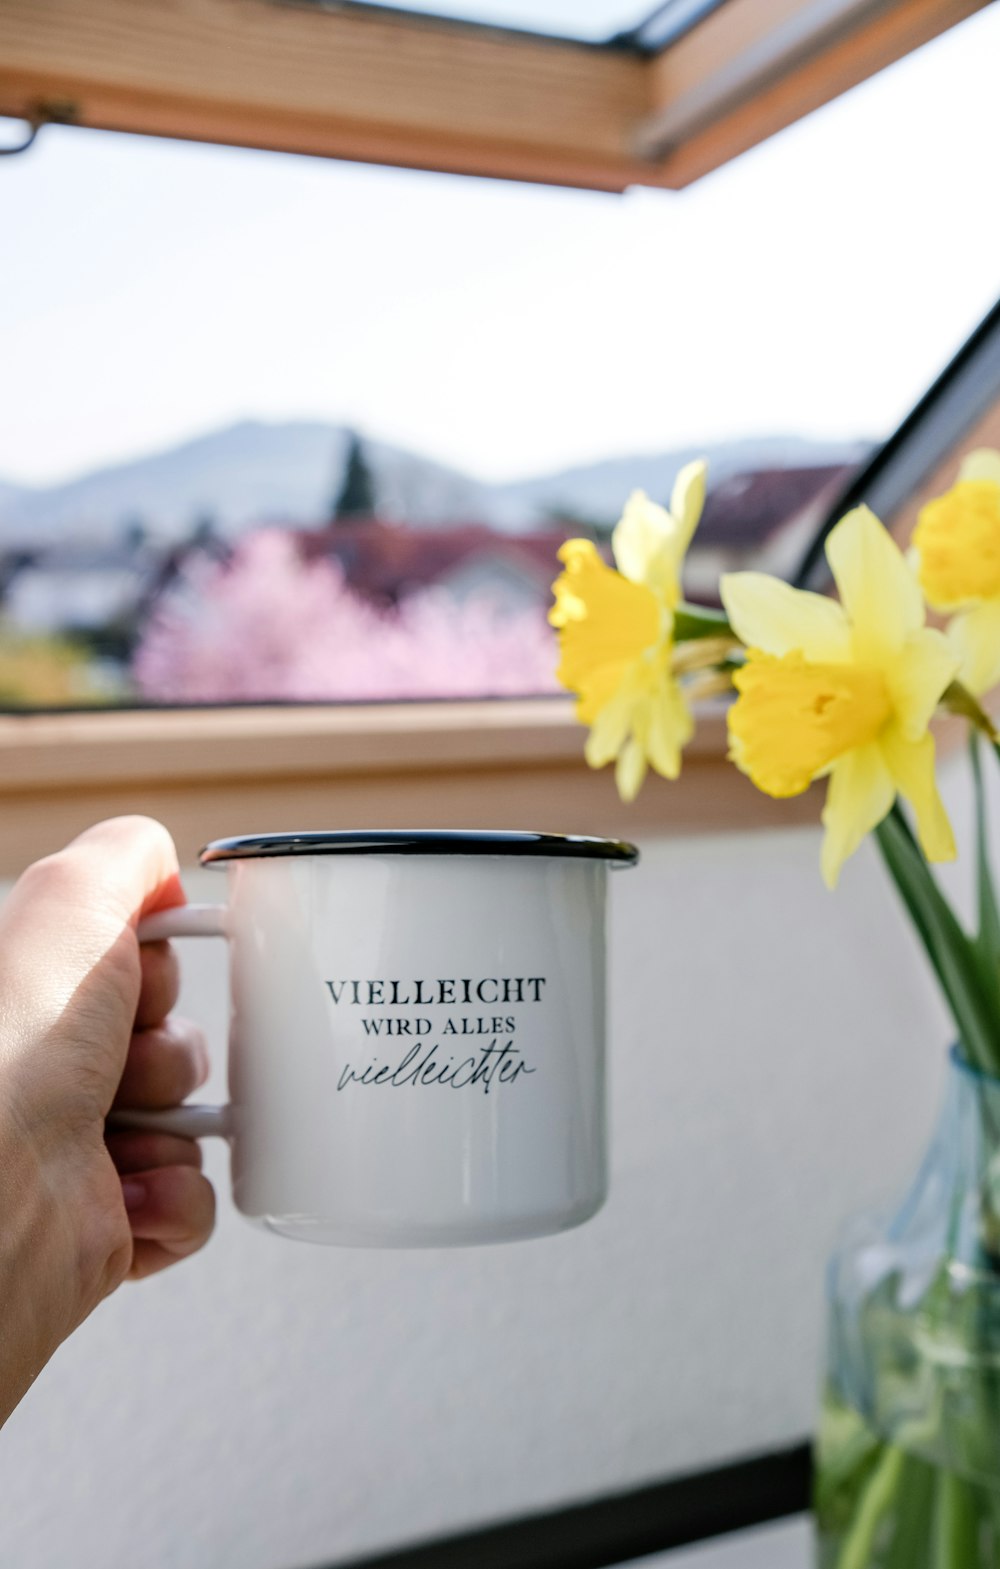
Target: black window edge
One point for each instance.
(616, 1529)
(961, 395)
(664, 24)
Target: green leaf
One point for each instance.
(694, 621)
(974, 1006)
(988, 938)
(957, 699)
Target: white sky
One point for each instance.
(154, 290)
(594, 19)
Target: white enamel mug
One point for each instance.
(417, 1040)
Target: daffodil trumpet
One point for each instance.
(956, 550)
(618, 632)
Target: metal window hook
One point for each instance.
(34, 125)
(42, 114)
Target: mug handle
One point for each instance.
(190, 1122)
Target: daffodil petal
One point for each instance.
(610, 728)
(597, 690)
(669, 726)
(984, 463)
(911, 764)
(646, 547)
(768, 614)
(630, 770)
(918, 676)
(687, 500)
(877, 588)
(975, 636)
(860, 791)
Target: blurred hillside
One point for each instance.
(254, 473)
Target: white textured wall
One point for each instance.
(268, 1405)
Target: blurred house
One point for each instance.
(384, 562)
(74, 587)
(97, 594)
(763, 520)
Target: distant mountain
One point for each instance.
(598, 490)
(10, 496)
(253, 473)
(246, 474)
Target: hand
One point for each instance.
(84, 1025)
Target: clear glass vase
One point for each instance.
(908, 1453)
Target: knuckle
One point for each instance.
(53, 874)
(195, 1198)
(197, 1049)
(188, 1055)
(132, 825)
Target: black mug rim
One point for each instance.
(419, 841)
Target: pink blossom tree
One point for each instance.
(268, 626)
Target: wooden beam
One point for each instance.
(379, 88)
(422, 93)
(692, 78)
(475, 765)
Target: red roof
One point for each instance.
(385, 561)
(746, 509)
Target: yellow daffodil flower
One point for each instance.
(616, 635)
(843, 690)
(957, 546)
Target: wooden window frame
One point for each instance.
(384, 87)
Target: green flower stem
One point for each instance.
(909, 1511)
(875, 1503)
(956, 1524)
(988, 940)
(975, 1007)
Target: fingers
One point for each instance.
(163, 1066)
(160, 984)
(171, 1210)
(170, 1205)
(140, 1149)
(170, 1214)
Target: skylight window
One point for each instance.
(593, 21)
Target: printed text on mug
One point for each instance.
(496, 1060)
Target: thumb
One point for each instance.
(69, 959)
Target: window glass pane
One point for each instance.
(594, 20)
(196, 341)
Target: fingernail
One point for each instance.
(133, 1193)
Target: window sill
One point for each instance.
(226, 771)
